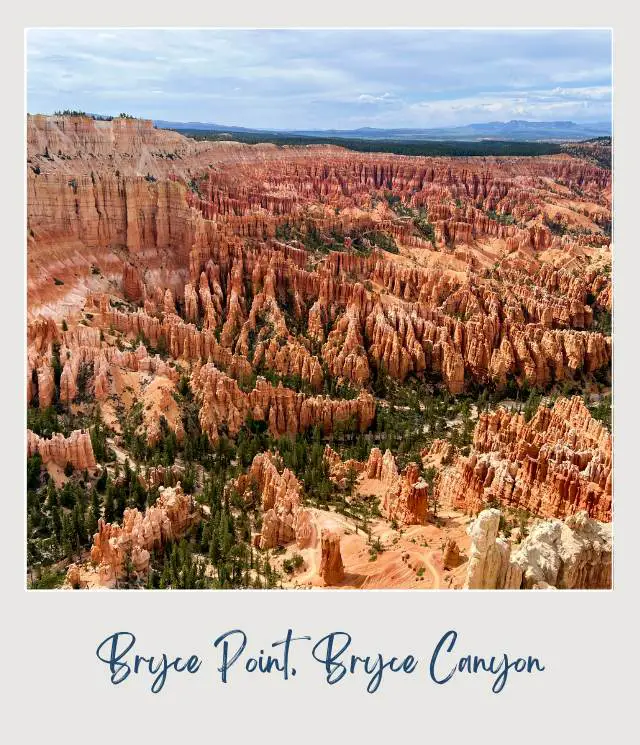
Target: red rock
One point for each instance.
(554, 466)
(331, 566)
(285, 411)
(133, 286)
(167, 520)
(75, 449)
(121, 215)
(451, 557)
(374, 464)
(339, 470)
(344, 352)
(407, 501)
(284, 518)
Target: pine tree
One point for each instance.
(101, 483)
(109, 505)
(79, 526)
(68, 539)
(56, 521)
(52, 495)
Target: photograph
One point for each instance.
(318, 309)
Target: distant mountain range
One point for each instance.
(516, 130)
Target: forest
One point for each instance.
(403, 147)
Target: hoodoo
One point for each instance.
(264, 366)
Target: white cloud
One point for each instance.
(384, 98)
(594, 92)
(299, 79)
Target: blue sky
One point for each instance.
(323, 78)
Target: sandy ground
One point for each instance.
(158, 401)
(155, 392)
(56, 472)
(411, 557)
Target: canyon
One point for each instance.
(308, 367)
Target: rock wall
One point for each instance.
(556, 465)
(75, 449)
(225, 404)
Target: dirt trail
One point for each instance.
(437, 584)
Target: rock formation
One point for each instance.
(490, 566)
(556, 465)
(284, 518)
(406, 500)
(75, 449)
(574, 554)
(228, 291)
(451, 557)
(160, 476)
(341, 471)
(344, 351)
(331, 567)
(382, 467)
(570, 554)
(286, 411)
(115, 545)
(522, 319)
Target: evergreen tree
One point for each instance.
(109, 505)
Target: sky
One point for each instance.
(320, 79)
